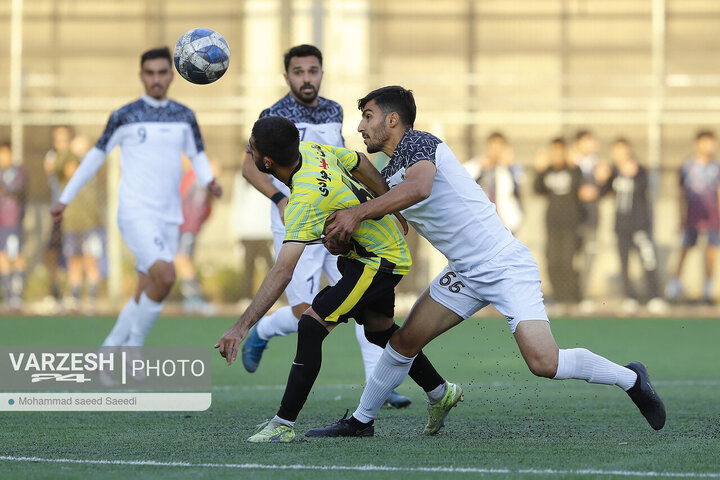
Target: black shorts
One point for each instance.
(360, 288)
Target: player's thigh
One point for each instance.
(360, 288)
(305, 282)
(149, 239)
(427, 320)
(330, 267)
(511, 282)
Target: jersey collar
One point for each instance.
(299, 166)
(155, 103)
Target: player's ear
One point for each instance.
(287, 80)
(393, 119)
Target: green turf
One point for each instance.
(509, 421)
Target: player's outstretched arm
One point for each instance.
(416, 187)
(85, 171)
(272, 287)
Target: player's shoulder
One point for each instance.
(415, 144)
(281, 108)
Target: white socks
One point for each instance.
(582, 364)
(277, 419)
(146, 313)
(121, 330)
(390, 371)
(281, 323)
(369, 351)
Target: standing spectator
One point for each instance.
(61, 138)
(196, 208)
(699, 182)
(560, 182)
(82, 243)
(633, 223)
(13, 181)
(500, 178)
(583, 154)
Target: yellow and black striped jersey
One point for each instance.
(322, 184)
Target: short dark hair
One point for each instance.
(393, 99)
(622, 140)
(5, 144)
(582, 134)
(160, 52)
(497, 135)
(560, 140)
(704, 134)
(303, 50)
(277, 138)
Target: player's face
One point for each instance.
(303, 76)
(156, 74)
(257, 157)
(372, 127)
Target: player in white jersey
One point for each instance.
(486, 264)
(152, 133)
(318, 120)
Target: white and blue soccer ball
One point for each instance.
(202, 56)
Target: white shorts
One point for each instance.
(149, 239)
(510, 282)
(305, 283)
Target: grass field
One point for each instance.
(511, 424)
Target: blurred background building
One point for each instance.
(531, 69)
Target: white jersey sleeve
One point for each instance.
(93, 159)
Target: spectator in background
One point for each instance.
(196, 208)
(559, 181)
(629, 181)
(500, 178)
(13, 182)
(699, 182)
(82, 244)
(61, 137)
(583, 154)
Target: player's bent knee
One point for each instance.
(403, 343)
(543, 365)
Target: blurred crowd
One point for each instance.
(568, 173)
(573, 178)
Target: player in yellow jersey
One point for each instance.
(374, 261)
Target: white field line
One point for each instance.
(363, 468)
(474, 385)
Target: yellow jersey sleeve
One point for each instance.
(303, 222)
(348, 158)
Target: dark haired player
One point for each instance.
(152, 133)
(486, 264)
(371, 266)
(318, 120)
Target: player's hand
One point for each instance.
(229, 343)
(335, 246)
(403, 222)
(215, 189)
(56, 212)
(281, 208)
(342, 224)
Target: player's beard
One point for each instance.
(306, 98)
(377, 139)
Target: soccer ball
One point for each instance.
(202, 56)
